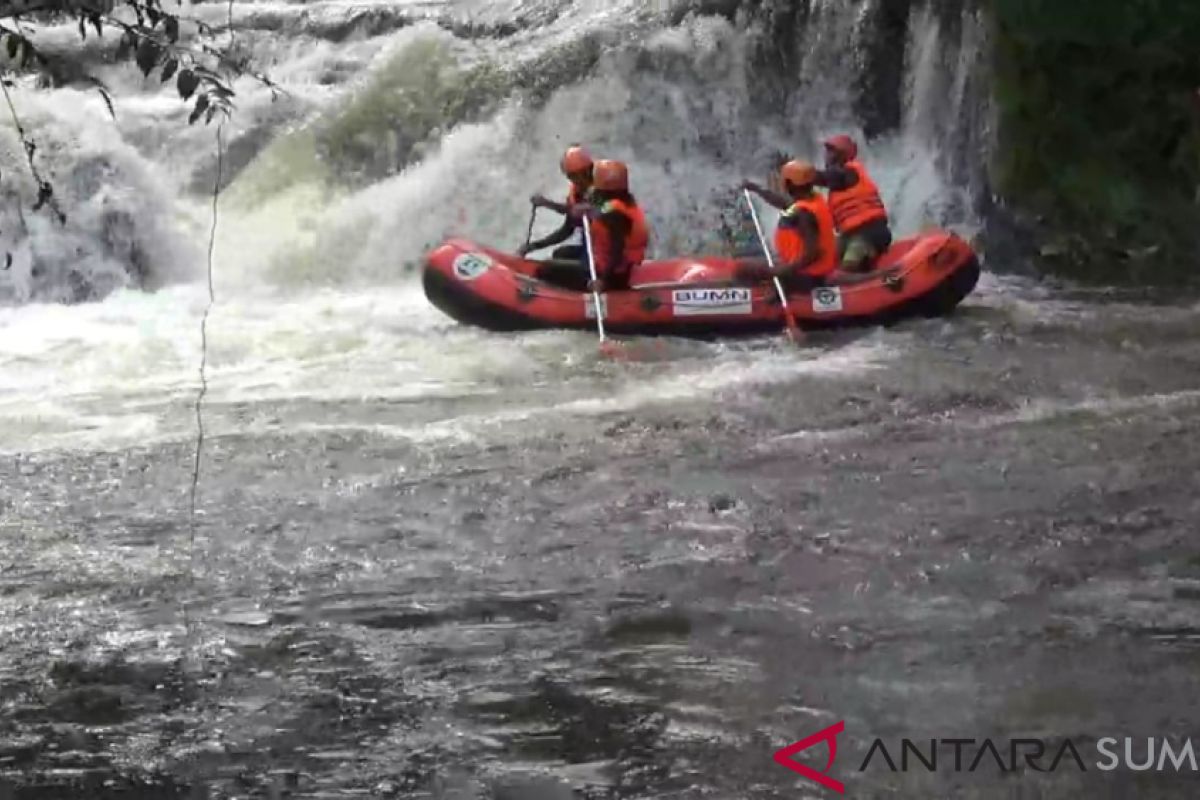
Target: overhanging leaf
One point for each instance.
(186, 83)
(104, 95)
(201, 104)
(147, 55)
(169, 69)
(126, 45)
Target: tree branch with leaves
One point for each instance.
(151, 37)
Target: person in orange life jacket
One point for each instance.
(857, 208)
(576, 165)
(738, 237)
(620, 233)
(804, 236)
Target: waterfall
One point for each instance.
(404, 122)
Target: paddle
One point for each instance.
(529, 233)
(793, 331)
(591, 259)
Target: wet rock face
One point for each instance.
(874, 61)
(881, 83)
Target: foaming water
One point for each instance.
(123, 372)
(120, 228)
(715, 370)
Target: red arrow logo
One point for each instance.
(784, 757)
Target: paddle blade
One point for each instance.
(637, 350)
(613, 350)
(794, 334)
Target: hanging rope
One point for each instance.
(212, 239)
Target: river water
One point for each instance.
(432, 562)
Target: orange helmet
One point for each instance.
(843, 145)
(576, 159)
(611, 176)
(800, 173)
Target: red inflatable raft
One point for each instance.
(925, 275)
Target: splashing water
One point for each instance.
(121, 228)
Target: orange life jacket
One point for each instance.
(635, 242)
(860, 204)
(790, 244)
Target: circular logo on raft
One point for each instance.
(469, 266)
(827, 299)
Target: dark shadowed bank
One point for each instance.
(1100, 134)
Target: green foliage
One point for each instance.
(1100, 123)
(146, 34)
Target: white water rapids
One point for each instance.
(317, 299)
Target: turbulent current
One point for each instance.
(433, 562)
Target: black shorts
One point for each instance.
(866, 244)
(573, 276)
(570, 252)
